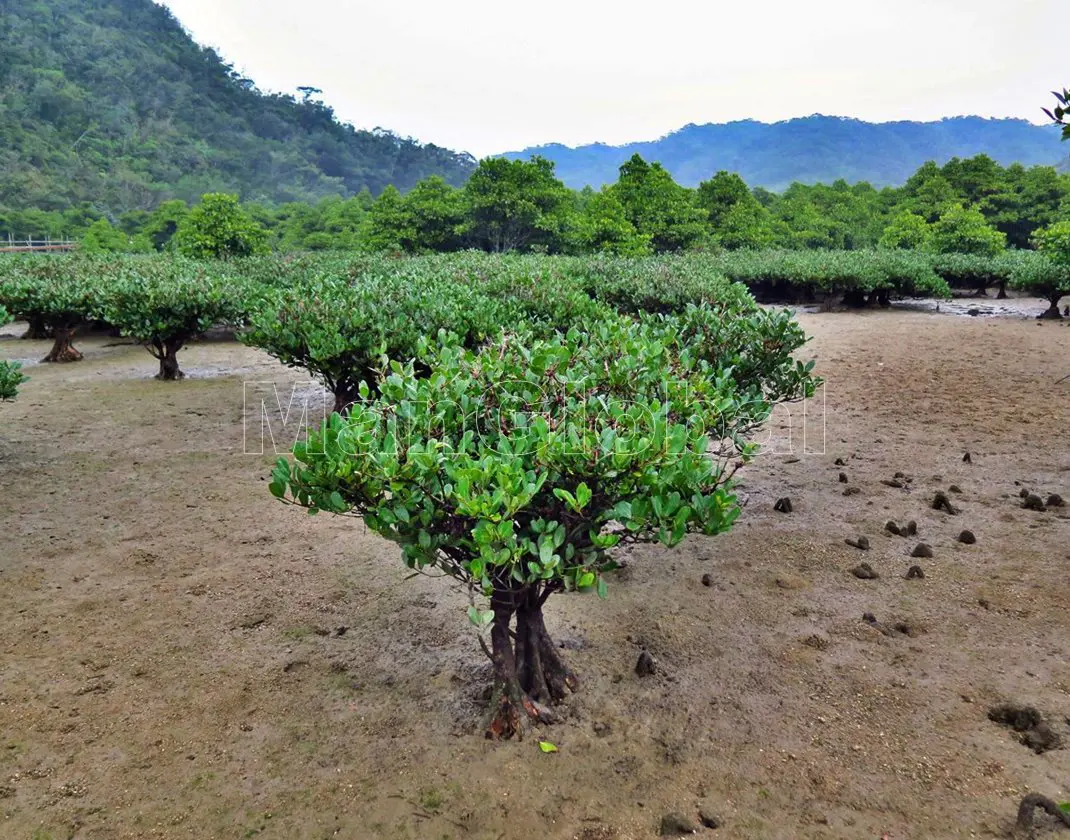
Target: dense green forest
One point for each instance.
(108, 107)
(114, 123)
(811, 150)
(970, 206)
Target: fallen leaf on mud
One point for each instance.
(547, 747)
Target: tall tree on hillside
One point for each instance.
(837, 215)
(342, 219)
(734, 214)
(102, 238)
(907, 231)
(962, 230)
(603, 226)
(436, 211)
(975, 178)
(657, 206)
(295, 222)
(1029, 199)
(928, 193)
(388, 226)
(745, 225)
(516, 205)
(802, 223)
(163, 224)
(430, 218)
(720, 194)
(218, 228)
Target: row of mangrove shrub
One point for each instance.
(372, 307)
(1032, 272)
(162, 302)
(814, 275)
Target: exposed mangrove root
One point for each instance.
(530, 675)
(62, 349)
(167, 352)
(1023, 826)
(36, 330)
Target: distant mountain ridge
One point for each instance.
(110, 103)
(811, 149)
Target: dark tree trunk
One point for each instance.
(344, 397)
(1053, 310)
(167, 352)
(1002, 290)
(37, 330)
(169, 369)
(543, 674)
(62, 349)
(855, 298)
(347, 392)
(529, 673)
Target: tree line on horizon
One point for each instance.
(116, 123)
(971, 205)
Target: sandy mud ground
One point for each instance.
(183, 657)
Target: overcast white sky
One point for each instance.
(489, 76)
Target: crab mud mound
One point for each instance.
(183, 657)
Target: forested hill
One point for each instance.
(811, 150)
(111, 102)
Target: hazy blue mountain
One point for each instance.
(811, 149)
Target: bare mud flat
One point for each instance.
(1015, 305)
(979, 306)
(183, 657)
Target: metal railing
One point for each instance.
(12, 245)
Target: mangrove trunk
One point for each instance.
(62, 349)
(1053, 310)
(167, 352)
(37, 330)
(344, 397)
(529, 673)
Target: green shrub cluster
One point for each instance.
(370, 307)
(162, 301)
(814, 275)
(534, 433)
(10, 372)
